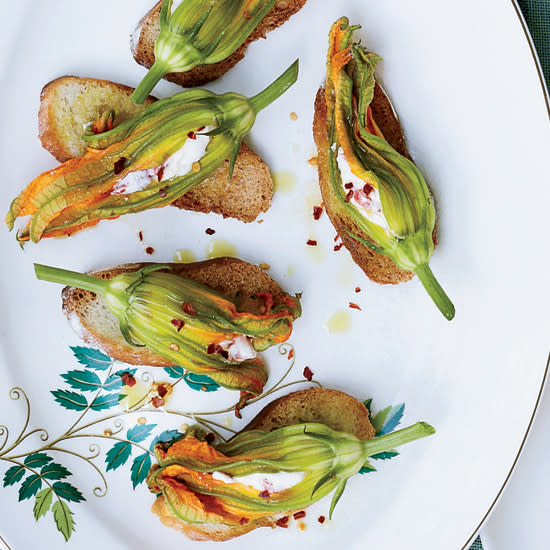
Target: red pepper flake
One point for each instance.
(160, 172)
(348, 185)
(243, 521)
(210, 437)
(128, 379)
(192, 135)
(368, 189)
(211, 349)
(338, 247)
(157, 402)
(201, 128)
(299, 515)
(140, 236)
(336, 238)
(162, 390)
(348, 196)
(188, 308)
(321, 519)
(317, 211)
(290, 354)
(308, 374)
(210, 231)
(282, 522)
(150, 250)
(163, 191)
(119, 165)
(178, 323)
(311, 242)
(264, 494)
(357, 289)
(354, 306)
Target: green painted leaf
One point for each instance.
(102, 402)
(13, 475)
(367, 468)
(200, 382)
(118, 455)
(167, 435)
(139, 432)
(30, 487)
(84, 380)
(67, 491)
(91, 358)
(174, 372)
(54, 471)
(386, 455)
(140, 468)
(368, 403)
(63, 518)
(392, 419)
(70, 400)
(36, 460)
(43, 503)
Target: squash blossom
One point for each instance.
(200, 32)
(189, 323)
(192, 475)
(145, 162)
(403, 231)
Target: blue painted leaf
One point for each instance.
(13, 475)
(386, 455)
(91, 358)
(63, 518)
(140, 468)
(84, 380)
(67, 491)
(54, 471)
(30, 487)
(387, 419)
(43, 503)
(367, 468)
(102, 402)
(200, 382)
(139, 432)
(36, 460)
(118, 455)
(70, 400)
(114, 381)
(368, 403)
(165, 436)
(174, 372)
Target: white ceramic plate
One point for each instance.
(465, 84)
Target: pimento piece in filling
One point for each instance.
(348, 196)
(192, 135)
(282, 522)
(119, 165)
(178, 323)
(264, 494)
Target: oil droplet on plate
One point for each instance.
(345, 274)
(284, 181)
(291, 270)
(339, 322)
(218, 248)
(185, 256)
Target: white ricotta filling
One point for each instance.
(178, 164)
(239, 349)
(365, 198)
(272, 483)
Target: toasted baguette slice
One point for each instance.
(377, 267)
(68, 103)
(147, 30)
(334, 408)
(90, 317)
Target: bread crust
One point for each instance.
(90, 317)
(68, 103)
(147, 31)
(334, 408)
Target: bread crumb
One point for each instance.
(293, 116)
(313, 161)
(265, 267)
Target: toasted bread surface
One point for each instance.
(377, 267)
(68, 103)
(333, 408)
(148, 28)
(90, 317)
